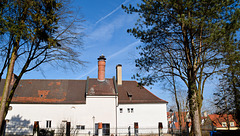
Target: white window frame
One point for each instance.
(224, 124)
(231, 124)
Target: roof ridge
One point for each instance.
(53, 79)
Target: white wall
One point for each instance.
(102, 108)
(147, 115)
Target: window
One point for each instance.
(224, 124)
(232, 124)
(130, 110)
(121, 110)
(81, 127)
(136, 128)
(105, 129)
(48, 124)
(10, 108)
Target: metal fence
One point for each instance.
(87, 131)
(20, 131)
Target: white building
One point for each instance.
(113, 102)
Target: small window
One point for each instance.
(224, 124)
(130, 110)
(48, 124)
(81, 127)
(232, 124)
(10, 108)
(121, 110)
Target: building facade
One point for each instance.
(118, 105)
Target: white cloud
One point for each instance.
(102, 33)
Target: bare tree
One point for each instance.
(36, 32)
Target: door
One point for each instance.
(105, 129)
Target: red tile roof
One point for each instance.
(138, 94)
(49, 91)
(75, 91)
(218, 119)
(100, 88)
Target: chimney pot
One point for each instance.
(101, 67)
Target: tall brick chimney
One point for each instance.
(101, 68)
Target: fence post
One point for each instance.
(68, 126)
(135, 128)
(129, 131)
(36, 128)
(100, 129)
(160, 127)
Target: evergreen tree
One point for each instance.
(227, 97)
(186, 36)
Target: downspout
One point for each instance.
(86, 88)
(116, 102)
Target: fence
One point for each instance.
(86, 131)
(105, 132)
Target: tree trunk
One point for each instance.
(236, 98)
(6, 87)
(177, 102)
(179, 116)
(194, 110)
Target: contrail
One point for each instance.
(111, 12)
(93, 69)
(112, 56)
(124, 49)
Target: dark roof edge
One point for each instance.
(115, 85)
(86, 88)
(49, 103)
(52, 80)
(142, 102)
(102, 95)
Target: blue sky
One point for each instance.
(105, 31)
(105, 28)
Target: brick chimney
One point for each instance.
(101, 68)
(119, 74)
